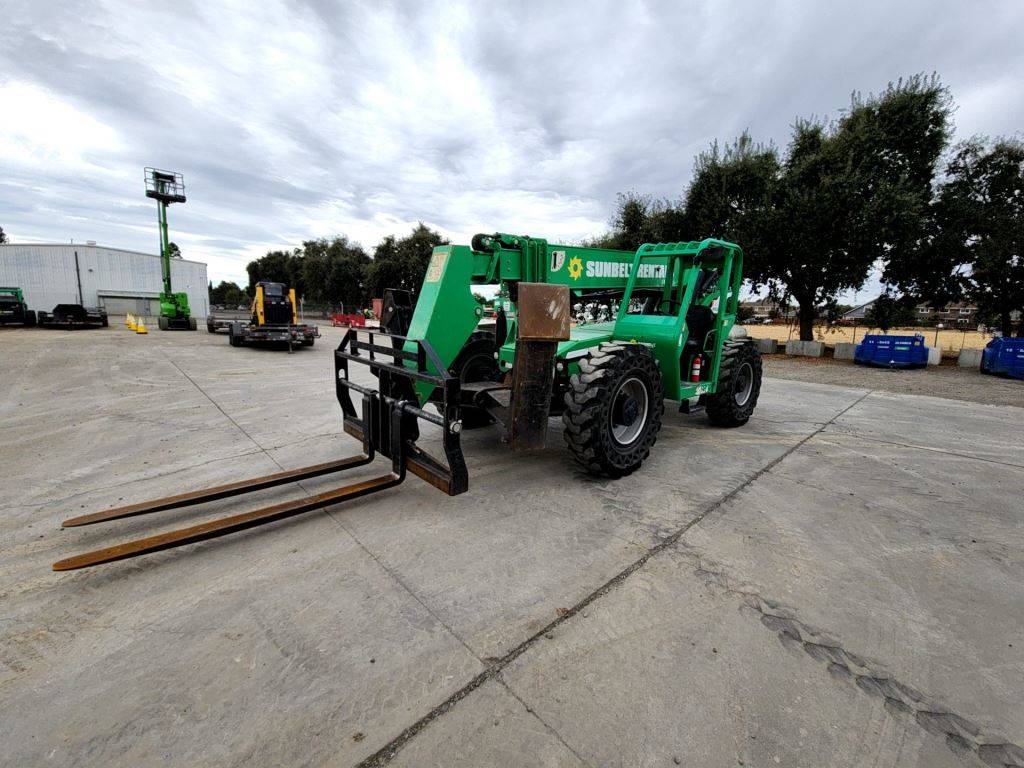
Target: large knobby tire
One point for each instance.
(474, 363)
(192, 324)
(162, 323)
(613, 409)
(234, 338)
(739, 384)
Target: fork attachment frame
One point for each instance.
(398, 369)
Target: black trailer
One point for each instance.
(216, 324)
(72, 316)
(301, 334)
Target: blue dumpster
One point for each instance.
(887, 351)
(1004, 355)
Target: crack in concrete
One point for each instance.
(227, 416)
(856, 435)
(385, 754)
(961, 734)
(547, 726)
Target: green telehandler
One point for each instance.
(670, 339)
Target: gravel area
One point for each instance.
(947, 380)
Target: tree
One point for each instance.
(402, 263)
(334, 271)
(228, 294)
(890, 311)
(846, 194)
(3, 236)
(277, 267)
(173, 250)
(981, 220)
(730, 196)
(640, 219)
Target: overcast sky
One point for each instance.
(298, 118)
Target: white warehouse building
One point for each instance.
(118, 280)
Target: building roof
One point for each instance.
(860, 311)
(94, 245)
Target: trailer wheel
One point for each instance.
(613, 409)
(191, 323)
(475, 363)
(739, 384)
(30, 318)
(162, 323)
(234, 338)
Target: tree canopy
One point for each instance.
(980, 213)
(813, 219)
(402, 262)
(890, 311)
(337, 271)
(228, 294)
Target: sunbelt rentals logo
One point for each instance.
(575, 267)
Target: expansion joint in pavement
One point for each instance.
(384, 755)
(962, 735)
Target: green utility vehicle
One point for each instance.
(14, 310)
(435, 364)
(167, 187)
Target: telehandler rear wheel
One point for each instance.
(739, 384)
(613, 409)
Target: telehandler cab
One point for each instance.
(669, 340)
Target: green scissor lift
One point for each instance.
(167, 187)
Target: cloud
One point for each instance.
(300, 118)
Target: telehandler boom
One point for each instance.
(670, 340)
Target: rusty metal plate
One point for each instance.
(543, 312)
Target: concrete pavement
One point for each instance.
(837, 583)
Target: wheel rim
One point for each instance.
(744, 384)
(629, 411)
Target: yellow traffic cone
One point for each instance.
(131, 324)
(140, 327)
(128, 319)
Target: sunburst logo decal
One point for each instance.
(575, 267)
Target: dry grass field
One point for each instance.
(951, 340)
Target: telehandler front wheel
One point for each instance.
(739, 384)
(613, 409)
(475, 363)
